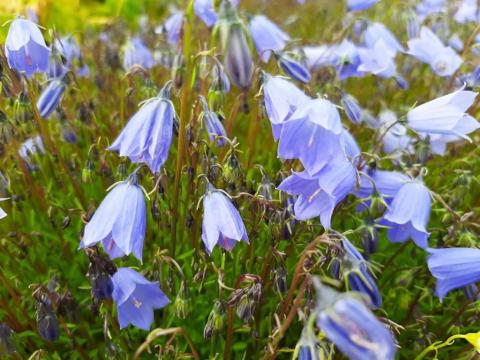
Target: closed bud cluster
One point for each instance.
(182, 304)
(47, 322)
(216, 319)
(246, 300)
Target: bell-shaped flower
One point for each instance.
(359, 277)
(319, 194)
(429, 49)
(135, 52)
(148, 134)
(359, 5)
(377, 31)
(346, 60)
(136, 298)
(348, 323)
(172, 27)
(281, 99)
(266, 36)
(25, 48)
(439, 142)
(50, 98)
(312, 134)
(211, 121)
(205, 10)
(408, 214)
(68, 47)
(378, 60)
(467, 12)
(119, 223)
(222, 223)
(445, 115)
(317, 57)
(395, 138)
(453, 268)
(294, 69)
(31, 147)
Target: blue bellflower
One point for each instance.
(443, 115)
(136, 298)
(173, 27)
(281, 99)
(428, 7)
(317, 57)
(453, 268)
(408, 214)
(50, 98)
(396, 138)
(378, 60)
(267, 36)
(350, 146)
(31, 147)
(222, 223)
(429, 49)
(312, 134)
(135, 52)
(359, 276)
(119, 222)
(204, 9)
(148, 134)
(351, 326)
(346, 60)
(319, 194)
(25, 48)
(215, 129)
(467, 12)
(359, 5)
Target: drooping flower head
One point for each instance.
(136, 298)
(119, 223)
(408, 214)
(173, 27)
(346, 60)
(50, 97)
(312, 134)
(319, 194)
(281, 99)
(453, 268)
(377, 31)
(445, 115)
(222, 223)
(356, 270)
(25, 48)
(148, 134)
(378, 60)
(352, 327)
(211, 120)
(135, 52)
(293, 68)
(267, 36)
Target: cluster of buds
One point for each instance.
(246, 299)
(216, 319)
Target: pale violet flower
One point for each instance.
(267, 36)
(429, 49)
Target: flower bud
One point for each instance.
(238, 58)
(293, 68)
(352, 108)
(7, 344)
(47, 323)
(182, 304)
